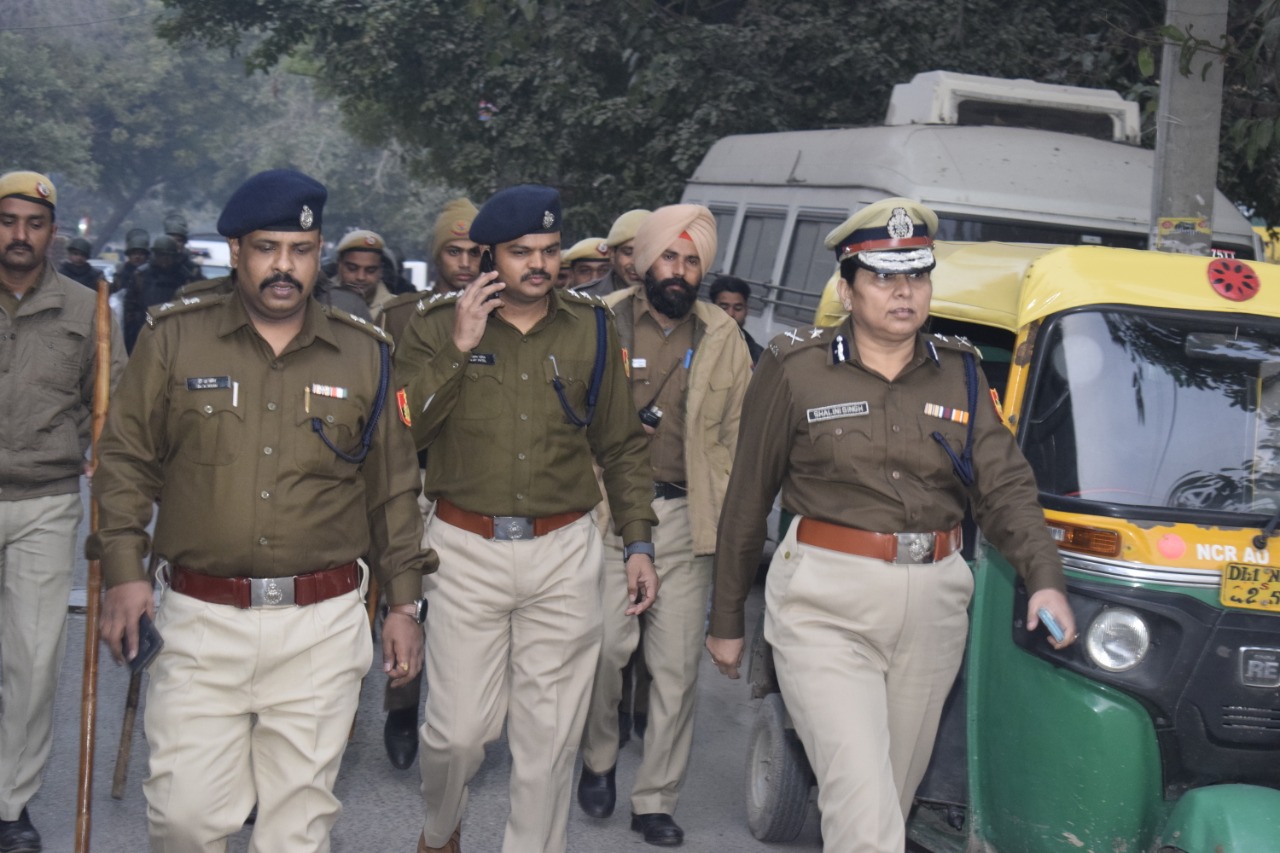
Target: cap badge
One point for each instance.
(42, 189)
(460, 228)
(602, 249)
(548, 219)
(306, 218)
(369, 240)
(900, 225)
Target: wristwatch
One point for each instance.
(645, 548)
(418, 615)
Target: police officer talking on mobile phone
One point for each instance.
(513, 388)
(878, 436)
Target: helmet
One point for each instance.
(175, 223)
(137, 238)
(80, 245)
(164, 244)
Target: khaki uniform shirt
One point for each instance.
(396, 314)
(660, 366)
(849, 447)
(48, 369)
(498, 438)
(211, 422)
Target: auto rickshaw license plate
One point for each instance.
(1251, 587)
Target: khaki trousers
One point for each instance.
(674, 628)
(37, 552)
(251, 705)
(514, 633)
(866, 653)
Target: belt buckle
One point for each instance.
(914, 548)
(270, 592)
(512, 528)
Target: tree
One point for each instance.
(43, 129)
(615, 101)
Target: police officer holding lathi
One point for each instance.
(513, 388)
(878, 436)
(258, 421)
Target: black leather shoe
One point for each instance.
(641, 723)
(624, 727)
(658, 829)
(597, 793)
(400, 735)
(19, 836)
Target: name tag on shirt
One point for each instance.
(207, 383)
(482, 358)
(839, 410)
(639, 363)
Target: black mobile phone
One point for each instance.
(486, 262)
(149, 644)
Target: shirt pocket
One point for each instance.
(342, 422)
(575, 380)
(934, 461)
(56, 358)
(846, 444)
(209, 430)
(481, 395)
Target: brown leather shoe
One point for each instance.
(453, 845)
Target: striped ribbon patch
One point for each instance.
(946, 413)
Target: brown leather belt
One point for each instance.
(507, 528)
(245, 593)
(890, 547)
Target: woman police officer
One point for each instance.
(878, 436)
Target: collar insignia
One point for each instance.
(839, 349)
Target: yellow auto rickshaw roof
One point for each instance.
(1010, 285)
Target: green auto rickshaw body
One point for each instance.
(1134, 380)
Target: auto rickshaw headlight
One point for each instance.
(1117, 640)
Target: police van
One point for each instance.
(1007, 160)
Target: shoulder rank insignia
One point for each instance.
(358, 322)
(816, 332)
(183, 305)
(795, 339)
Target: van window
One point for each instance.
(809, 265)
(758, 247)
(724, 217)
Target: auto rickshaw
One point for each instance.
(1144, 389)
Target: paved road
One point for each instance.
(382, 805)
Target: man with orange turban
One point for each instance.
(689, 369)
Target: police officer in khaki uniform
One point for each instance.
(622, 273)
(513, 388)
(867, 593)
(48, 358)
(360, 268)
(588, 260)
(256, 419)
(689, 372)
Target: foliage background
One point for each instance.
(391, 102)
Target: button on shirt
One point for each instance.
(847, 446)
(211, 421)
(499, 440)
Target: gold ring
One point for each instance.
(404, 665)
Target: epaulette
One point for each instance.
(436, 300)
(403, 299)
(358, 322)
(584, 299)
(801, 338)
(953, 342)
(184, 305)
(207, 286)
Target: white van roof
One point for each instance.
(980, 171)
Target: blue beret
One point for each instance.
(275, 200)
(516, 211)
